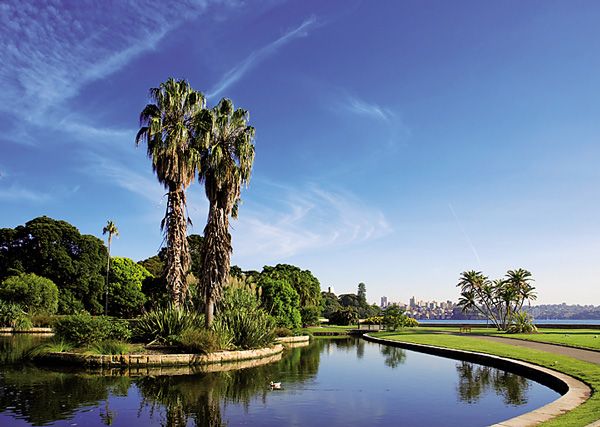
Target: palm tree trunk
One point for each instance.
(178, 254)
(107, 271)
(216, 259)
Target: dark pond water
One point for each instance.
(332, 382)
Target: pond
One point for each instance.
(331, 382)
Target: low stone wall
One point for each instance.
(26, 331)
(288, 340)
(574, 392)
(142, 360)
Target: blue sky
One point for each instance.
(398, 143)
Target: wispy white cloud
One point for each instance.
(358, 106)
(51, 50)
(17, 193)
(465, 235)
(299, 220)
(237, 72)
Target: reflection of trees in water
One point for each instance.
(41, 396)
(14, 347)
(329, 344)
(199, 397)
(360, 349)
(475, 380)
(394, 356)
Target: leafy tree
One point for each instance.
(36, 294)
(393, 317)
(306, 285)
(167, 128)
(154, 265)
(281, 300)
(111, 229)
(225, 166)
(329, 304)
(350, 300)
(56, 250)
(126, 296)
(362, 293)
(344, 316)
(501, 300)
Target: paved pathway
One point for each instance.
(576, 353)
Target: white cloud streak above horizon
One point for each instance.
(298, 220)
(237, 72)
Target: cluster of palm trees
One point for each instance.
(501, 300)
(186, 141)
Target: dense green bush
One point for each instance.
(310, 315)
(241, 317)
(13, 316)
(109, 347)
(165, 325)
(394, 317)
(411, 322)
(521, 323)
(83, 329)
(281, 300)
(283, 332)
(197, 340)
(344, 316)
(125, 296)
(36, 294)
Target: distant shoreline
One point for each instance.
(592, 322)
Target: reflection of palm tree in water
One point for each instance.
(202, 397)
(475, 380)
(107, 416)
(394, 356)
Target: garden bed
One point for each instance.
(140, 360)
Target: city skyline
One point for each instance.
(468, 139)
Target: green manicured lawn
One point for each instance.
(587, 372)
(329, 328)
(581, 338)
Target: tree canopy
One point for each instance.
(58, 251)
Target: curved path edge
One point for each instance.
(574, 392)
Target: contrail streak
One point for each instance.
(466, 236)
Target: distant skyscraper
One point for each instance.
(412, 303)
(384, 302)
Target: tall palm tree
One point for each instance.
(225, 166)
(168, 131)
(111, 229)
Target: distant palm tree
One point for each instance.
(111, 229)
(520, 280)
(167, 129)
(226, 165)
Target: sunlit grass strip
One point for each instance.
(578, 338)
(589, 373)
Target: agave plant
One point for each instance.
(165, 325)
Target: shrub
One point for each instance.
(44, 320)
(374, 320)
(344, 316)
(34, 293)
(83, 329)
(310, 315)
(410, 322)
(281, 300)
(521, 323)
(13, 316)
(198, 340)
(241, 317)
(165, 325)
(54, 346)
(283, 332)
(108, 347)
(125, 296)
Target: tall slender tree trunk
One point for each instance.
(107, 272)
(216, 259)
(178, 254)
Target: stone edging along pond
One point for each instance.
(574, 392)
(137, 360)
(140, 360)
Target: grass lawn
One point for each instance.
(587, 372)
(581, 338)
(329, 328)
